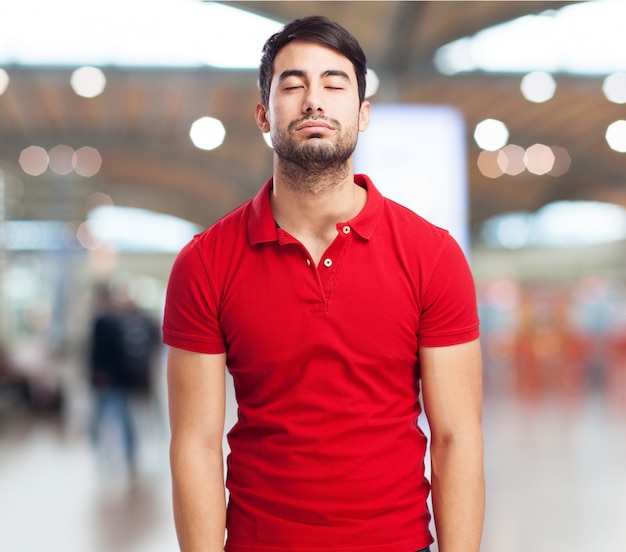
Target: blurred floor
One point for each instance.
(56, 495)
(556, 476)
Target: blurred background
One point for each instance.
(126, 127)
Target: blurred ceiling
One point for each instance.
(140, 123)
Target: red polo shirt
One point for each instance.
(326, 453)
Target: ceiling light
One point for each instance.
(511, 159)
(267, 137)
(4, 80)
(88, 82)
(87, 161)
(579, 38)
(616, 136)
(562, 223)
(562, 161)
(131, 229)
(207, 133)
(150, 33)
(614, 88)
(488, 164)
(61, 159)
(539, 159)
(87, 238)
(372, 82)
(34, 160)
(538, 86)
(491, 134)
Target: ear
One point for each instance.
(364, 116)
(260, 115)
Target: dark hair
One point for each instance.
(319, 30)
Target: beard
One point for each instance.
(314, 158)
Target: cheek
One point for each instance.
(278, 115)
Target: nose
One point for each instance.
(312, 102)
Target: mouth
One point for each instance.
(314, 124)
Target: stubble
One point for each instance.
(315, 164)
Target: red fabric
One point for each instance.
(326, 454)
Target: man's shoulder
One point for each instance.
(229, 226)
(412, 221)
(216, 242)
(235, 225)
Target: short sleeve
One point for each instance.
(449, 314)
(191, 320)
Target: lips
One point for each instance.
(313, 123)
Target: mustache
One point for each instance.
(334, 122)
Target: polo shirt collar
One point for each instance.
(262, 227)
(366, 220)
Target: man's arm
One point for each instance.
(196, 386)
(452, 392)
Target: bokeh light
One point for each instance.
(372, 82)
(579, 38)
(511, 159)
(491, 134)
(562, 161)
(539, 159)
(616, 136)
(207, 133)
(614, 88)
(87, 161)
(61, 157)
(559, 223)
(88, 82)
(538, 86)
(4, 81)
(87, 238)
(34, 160)
(268, 139)
(488, 164)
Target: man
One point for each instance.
(328, 303)
(123, 341)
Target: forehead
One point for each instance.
(312, 59)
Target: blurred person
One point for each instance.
(123, 341)
(330, 305)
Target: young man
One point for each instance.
(329, 304)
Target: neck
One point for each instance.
(312, 181)
(314, 195)
(310, 208)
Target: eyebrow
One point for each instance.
(299, 73)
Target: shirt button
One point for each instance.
(346, 229)
(308, 262)
(328, 263)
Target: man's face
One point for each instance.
(313, 115)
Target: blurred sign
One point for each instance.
(415, 155)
